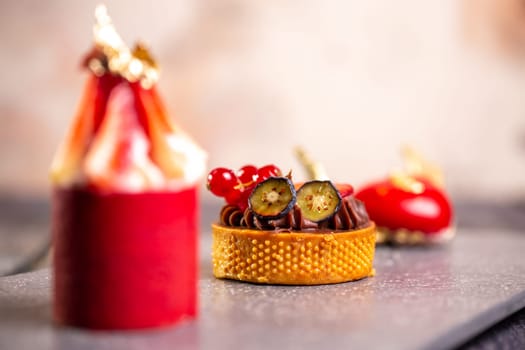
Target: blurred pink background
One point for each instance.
(351, 81)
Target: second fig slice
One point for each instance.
(318, 200)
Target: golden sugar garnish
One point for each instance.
(406, 182)
(118, 59)
(415, 165)
(97, 67)
(314, 170)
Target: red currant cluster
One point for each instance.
(236, 187)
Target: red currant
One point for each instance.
(268, 171)
(248, 175)
(233, 196)
(242, 203)
(222, 181)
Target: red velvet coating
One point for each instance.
(124, 261)
(392, 207)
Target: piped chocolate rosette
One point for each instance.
(273, 231)
(125, 205)
(410, 207)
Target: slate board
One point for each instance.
(420, 299)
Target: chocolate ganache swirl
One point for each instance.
(352, 215)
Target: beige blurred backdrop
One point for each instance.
(350, 81)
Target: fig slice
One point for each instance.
(272, 198)
(318, 200)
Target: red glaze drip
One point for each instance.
(395, 208)
(142, 98)
(103, 87)
(124, 261)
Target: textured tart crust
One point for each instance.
(295, 258)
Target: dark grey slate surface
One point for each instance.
(420, 298)
(507, 334)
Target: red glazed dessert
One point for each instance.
(410, 207)
(125, 204)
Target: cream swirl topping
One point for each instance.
(352, 215)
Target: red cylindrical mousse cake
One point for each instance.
(124, 260)
(125, 200)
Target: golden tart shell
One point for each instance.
(293, 258)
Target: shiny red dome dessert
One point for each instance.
(405, 215)
(409, 208)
